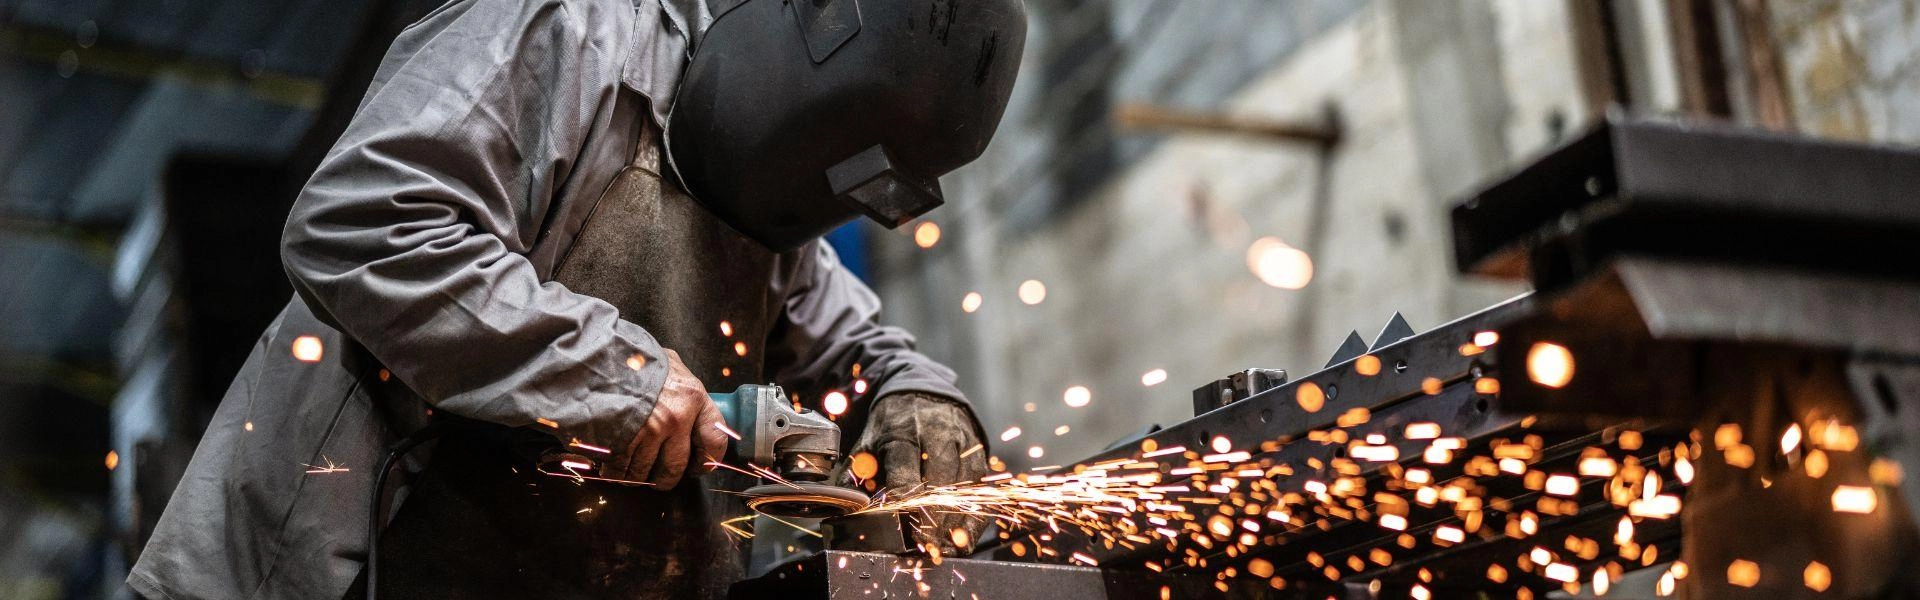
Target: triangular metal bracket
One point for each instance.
(1349, 350)
(1397, 329)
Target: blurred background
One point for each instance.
(1178, 190)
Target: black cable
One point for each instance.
(375, 520)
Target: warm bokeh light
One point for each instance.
(1743, 573)
(307, 348)
(1550, 364)
(1562, 485)
(1032, 292)
(1309, 396)
(864, 465)
(1279, 265)
(1009, 434)
(926, 234)
(1817, 576)
(1062, 430)
(971, 302)
(1153, 378)
(1854, 499)
(1036, 452)
(113, 460)
(835, 403)
(1367, 364)
(726, 329)
(1077, 396)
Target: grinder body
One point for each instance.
(799, 444)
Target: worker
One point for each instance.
(575, 217)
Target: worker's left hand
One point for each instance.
(924, 441)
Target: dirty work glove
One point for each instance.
(919, 439)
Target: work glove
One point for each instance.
(680, 435)
(923, 441)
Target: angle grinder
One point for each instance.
(798, 445)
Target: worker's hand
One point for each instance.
(680, 435)
(924, 441)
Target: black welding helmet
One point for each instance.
(796, 116)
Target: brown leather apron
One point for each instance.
(473, 526)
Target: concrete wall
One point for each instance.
(1148, 270)
(1852, 67)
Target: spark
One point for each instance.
(864, 465)
(1153, 378)
(1165, 451)
(327, 466)
(1854, 499)
(1077, 396)
(1790, 439)
(113, 460)
(835, 403)
(974, 450)
(636, 361)
(592, 448)
(726, 328)
(1309, 396)
(308, 349)
(1032, 292)
(740, 348)
(1486, 338)
(1422, 431)
(1743, 573)
(542, 420)
(971, 302)
(1279, 265)
(1561, 572)
(926, 234)
(722, 426)
(1036, 452)
(1061, 430)
(1562, 485)
(1817, 576)
(1010, 434)
(1550, 365)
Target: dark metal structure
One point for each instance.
(1694, 279)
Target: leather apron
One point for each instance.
(475, 525)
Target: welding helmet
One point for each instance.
(796, 116)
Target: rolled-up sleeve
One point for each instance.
(411, 236)
(831, 323)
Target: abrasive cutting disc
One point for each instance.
(804, 500)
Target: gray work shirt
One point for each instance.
(423, 250)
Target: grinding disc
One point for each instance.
(804, 500)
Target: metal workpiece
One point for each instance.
(1426, 377)
(867, 532)
(1235, 387)
(1406, 369)
(1702, 191)
(869, 575)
